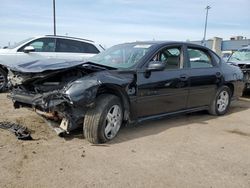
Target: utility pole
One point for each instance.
(54, 16)
(205, 30)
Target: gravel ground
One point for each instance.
(195, 150)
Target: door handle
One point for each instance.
(183, 77)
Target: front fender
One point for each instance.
(84, 90)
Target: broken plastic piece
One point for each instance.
(21, 132)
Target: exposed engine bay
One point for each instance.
(44, 82)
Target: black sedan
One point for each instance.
(127, 83)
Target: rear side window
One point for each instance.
(199, 58)
(90, 48)
(72, 46)
(41, 45)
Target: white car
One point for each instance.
(44, 47)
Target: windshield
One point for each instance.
(121, 56)
(19, 43)
(241, 55)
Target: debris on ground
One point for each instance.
(21, 132)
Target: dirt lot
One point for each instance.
(194, 150)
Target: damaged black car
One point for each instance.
(127, 83)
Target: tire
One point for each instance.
(221, 101)
(3, 80)
(103, 122)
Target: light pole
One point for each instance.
(205, 30)
(54, 16)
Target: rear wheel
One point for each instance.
(3, 80)
(103, 122)
(221, 101)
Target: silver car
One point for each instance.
(44, 47)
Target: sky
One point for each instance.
(110, 22)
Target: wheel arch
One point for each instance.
(4, 68)
(119, 92)
(231, 87)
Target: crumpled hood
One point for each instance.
(39, 66)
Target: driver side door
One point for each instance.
(163, 91)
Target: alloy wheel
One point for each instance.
(113, 121)
(222, 101)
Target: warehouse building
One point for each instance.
(221, 46)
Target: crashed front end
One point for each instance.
(245, 68)
(60, 96)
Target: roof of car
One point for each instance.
(67, 37)
(165, 43)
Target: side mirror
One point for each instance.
(28, 49)
(156, 66)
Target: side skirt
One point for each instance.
(164, 115)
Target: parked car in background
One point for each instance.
(241, 58)
(131, 82)
(44, 47)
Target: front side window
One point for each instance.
(170, 57)
(41, 45)
(19, 43)
(199, 58)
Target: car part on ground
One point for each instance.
(21, 132)
(140, 81)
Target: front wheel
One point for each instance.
(103, 122)
(221, 101)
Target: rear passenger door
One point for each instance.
(204, 76)
(75, 50)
